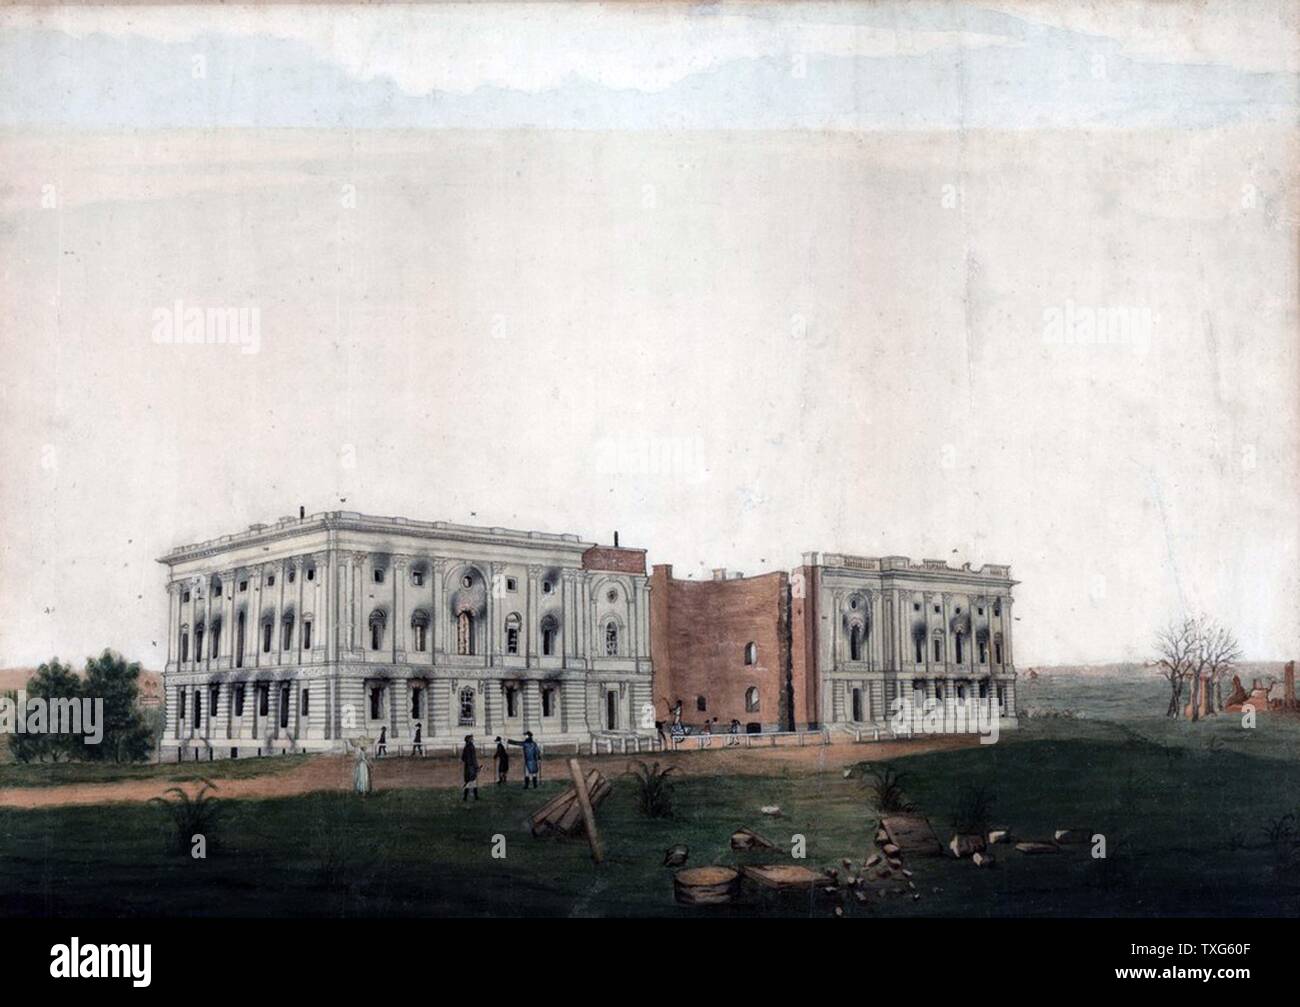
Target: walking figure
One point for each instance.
(532, 758)
(382, 747)
(417, 742)
(469, 756)
(502, 759)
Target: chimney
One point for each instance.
(720, 573)
(302, 512)
(615, 540)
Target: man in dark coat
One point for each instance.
(417, 742)
(469, 756)
(382, 747)
(502, 758)
(532, 758)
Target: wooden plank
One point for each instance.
(588, 815)
(566, 821)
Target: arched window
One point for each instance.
(377, 625)
(855, 642)
(751, 699)
(997, 649)
(701, 704)
(611, 639)
(185, 645)
(266, 635)
(549, 630)
(464, 633)
(286, 632)
(512, 633)
(306, 633)
(938, 647)
(467, 707)
(420, 629)
(751, 653)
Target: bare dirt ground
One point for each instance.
(334, 772)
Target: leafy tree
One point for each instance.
(52, 681)
(126, 734)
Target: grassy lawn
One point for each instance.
(1185, 816)
(52, 774)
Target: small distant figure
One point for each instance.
(735, 726)
(532, 758)
(502, 759)
(381, 749)
(417, 741)
(361, 773)
(708, 726)
(469, 756)
(733, 732)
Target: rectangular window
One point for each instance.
(417, 578)
(938, 649)
(270, 580)
(266, 638)
(264, 700)
(239, 700)
(181, 700)
(198, 709)
(997, 652)
(306, 634)
(286, 642)
(416, 695)
(548, 702)
(185, 646)
(512, 641)
(306, 702)
(185, 596)
(512, 702)
(916, 606)
(284, 706)
(311, 573)
(379, 576)
(512, 584)
(214, 691)
(375, 696)
(243, 585)
(419, 637)
(466, 707)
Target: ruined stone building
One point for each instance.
(308, 633)
(832, 643)
(314, 630)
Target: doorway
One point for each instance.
(857, 704)
(611, 710)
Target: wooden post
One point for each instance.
(588, 816)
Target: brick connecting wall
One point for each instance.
(618, 560)
(698, 634)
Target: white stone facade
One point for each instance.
(301, 635)
(890, 628)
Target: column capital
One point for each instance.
(534, 570)
(401, 561)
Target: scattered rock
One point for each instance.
(1071, 836)
(771, 809)
(906, 873)
(872, 860)
(999, 836)
(748, 839)
(1037, 847)
(675, 856)
(895, 863)
(982, 860)
(912, 834)
(890, 850)
(964, 845)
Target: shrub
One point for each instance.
(654, 792)
(886, 787)
(974, 811)
(190, 816)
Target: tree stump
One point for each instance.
(705, 886)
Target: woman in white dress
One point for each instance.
(361, 774)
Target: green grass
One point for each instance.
(1185, 817)
(53, 774)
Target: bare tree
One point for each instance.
(1220, 652)
(1176, 646)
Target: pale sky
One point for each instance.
(764, 282)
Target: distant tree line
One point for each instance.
(127, 736)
